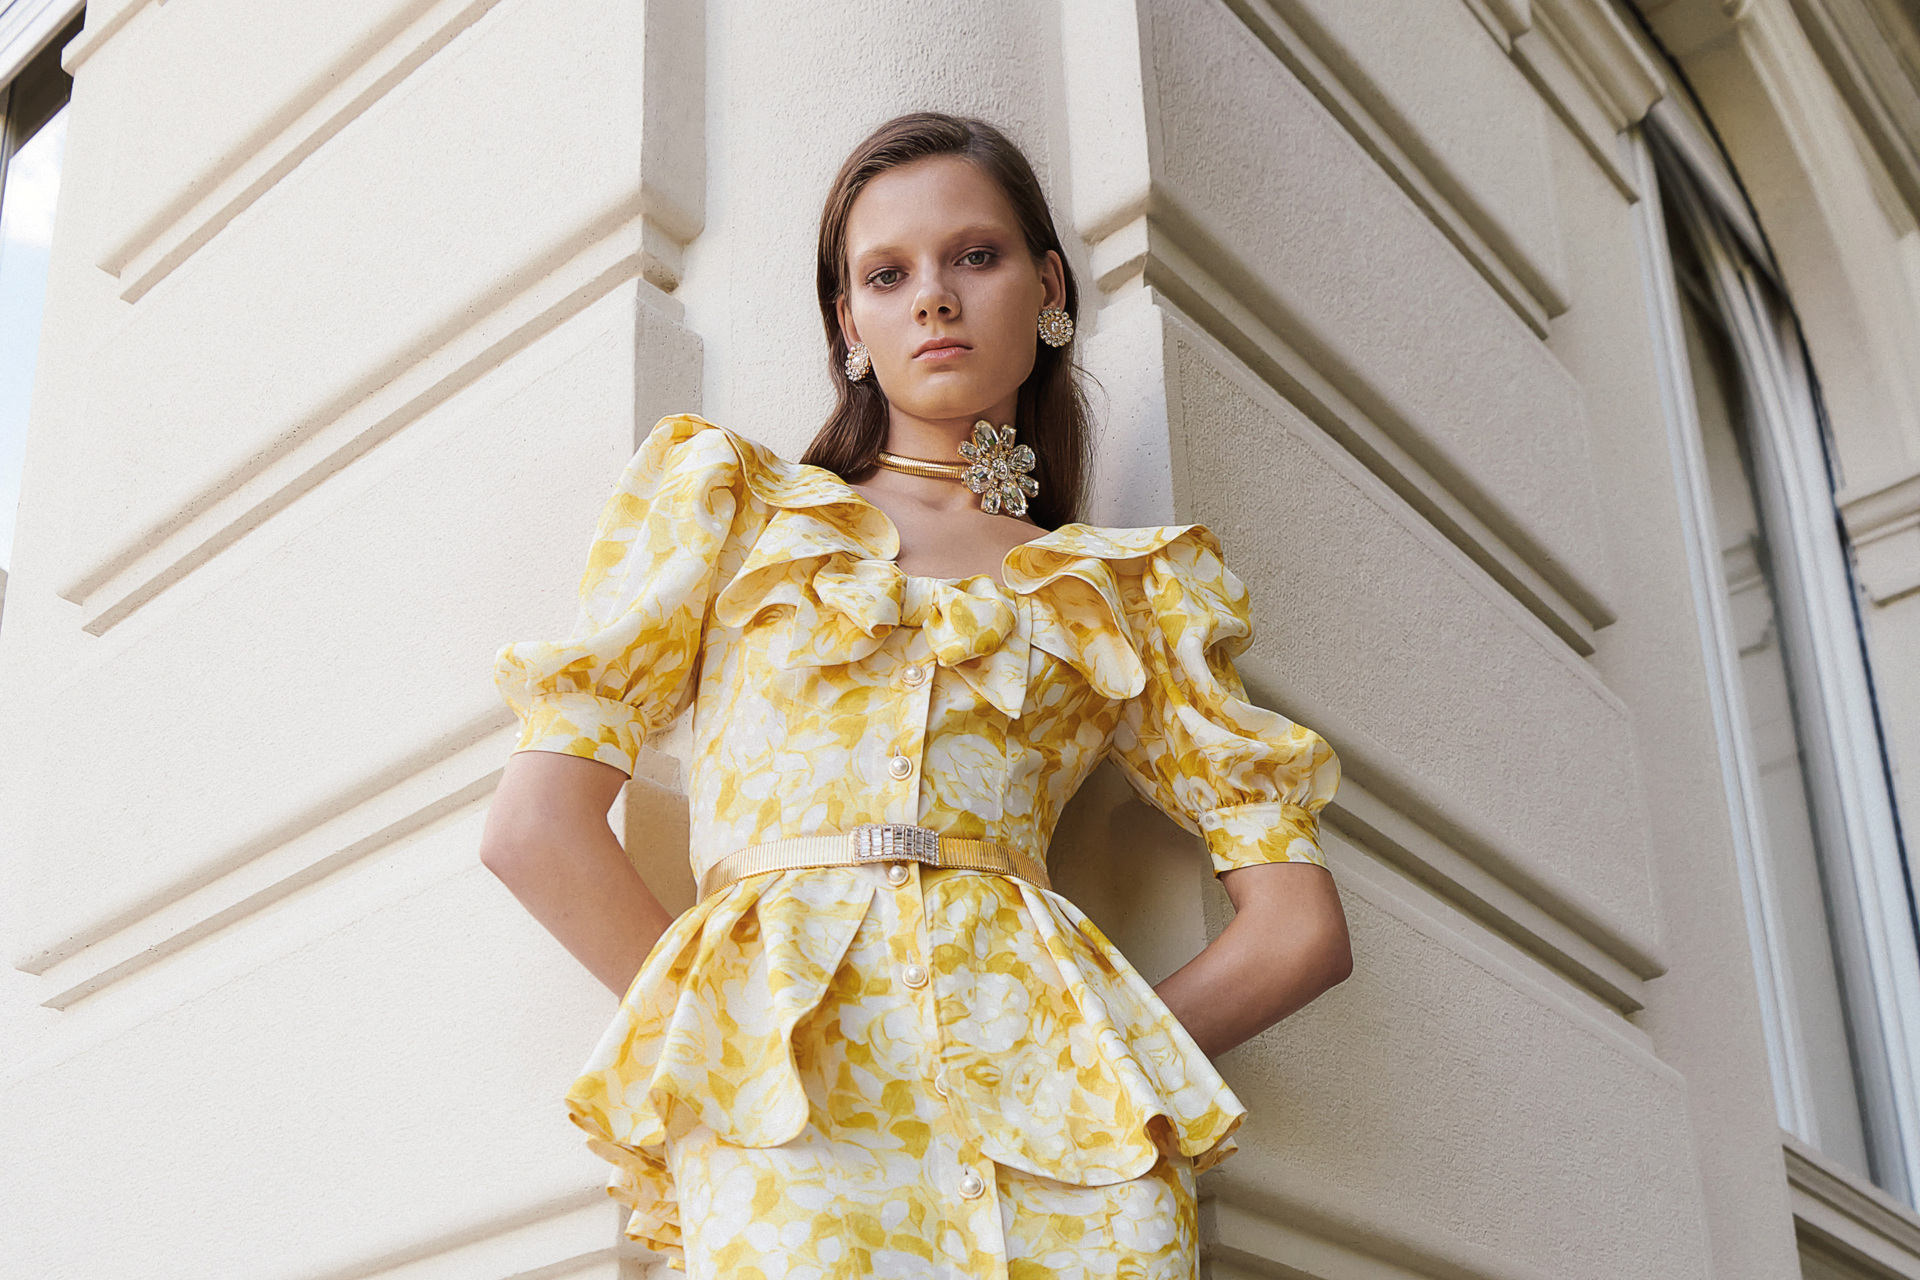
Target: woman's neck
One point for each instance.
(939, 439)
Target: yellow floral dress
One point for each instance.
(830, 1072)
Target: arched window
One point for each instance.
(1827, 892)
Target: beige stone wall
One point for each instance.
(356, 311)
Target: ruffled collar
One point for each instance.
(826, 562)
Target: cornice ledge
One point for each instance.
(1514, 16)
(1589, 69)
(103, 23)
(1688, 27)
(1847, 1214)
(1505, 20)
(1590, 35)
(1289, 1227)
(226, 188)
(1884, 526)
(1868, 514)
(1535, 294)
(1171, 249)
(1857, 53)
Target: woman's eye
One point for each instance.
(985, 256)
(875, 279)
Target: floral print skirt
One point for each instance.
(884, 1181)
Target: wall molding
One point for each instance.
(1848, 1216)
(571, 1235)
(583, 267)
(1472, 229)
(643, 235)
(218, 194)
(1503, 19)
(350, 827)
(1333, 1233)
(1424, 828)
(672, 165)
(1860, 43)
(1138, 233)
(1592, 71)
(1531, 917)
(1171, 251)
(25, 28)
(1884, 526)
(104, 22)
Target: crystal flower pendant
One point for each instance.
(998, 470)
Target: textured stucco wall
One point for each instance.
(358, 308)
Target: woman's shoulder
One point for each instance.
(687, 442)
(1133, 555)
(1120, 543)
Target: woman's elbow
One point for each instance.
(508, 847)
(1337, 958)
(1328, 949)
(498, 855)
(546, 804)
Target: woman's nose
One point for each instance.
(936, 300)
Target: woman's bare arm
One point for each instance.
(1287, 943)
(548, 841)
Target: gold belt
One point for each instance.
(872, 842)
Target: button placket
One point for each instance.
(911, 948)
(906, 758)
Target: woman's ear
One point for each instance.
(848, 333)
(1053, 275)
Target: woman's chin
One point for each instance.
(951, 402)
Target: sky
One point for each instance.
(26, 234)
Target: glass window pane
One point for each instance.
(1791, 844)
(26, 236)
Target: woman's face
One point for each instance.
(942, 290)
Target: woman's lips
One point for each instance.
(942, 353)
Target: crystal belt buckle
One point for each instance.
(895, 842)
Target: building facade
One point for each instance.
(1550, 370)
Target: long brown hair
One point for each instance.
(1051, 415)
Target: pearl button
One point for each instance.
(915, 675)
(900, 766)
(940, 1086)
(897, 874)
(914, 975)
(971, 1185)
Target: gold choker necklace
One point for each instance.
(995, 468)
(922, 467)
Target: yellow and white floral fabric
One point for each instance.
(831, 689)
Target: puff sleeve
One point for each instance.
(1251, 781)
(628, 667)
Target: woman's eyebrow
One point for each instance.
(978, 231)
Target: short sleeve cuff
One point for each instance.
(1247, 835)
(583, 724)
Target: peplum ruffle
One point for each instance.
(1056, 1052)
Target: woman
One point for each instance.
(880, 1044)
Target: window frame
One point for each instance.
(1877, 941)
(33, 88)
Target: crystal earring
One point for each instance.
(858, 362)
(1056, 327)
